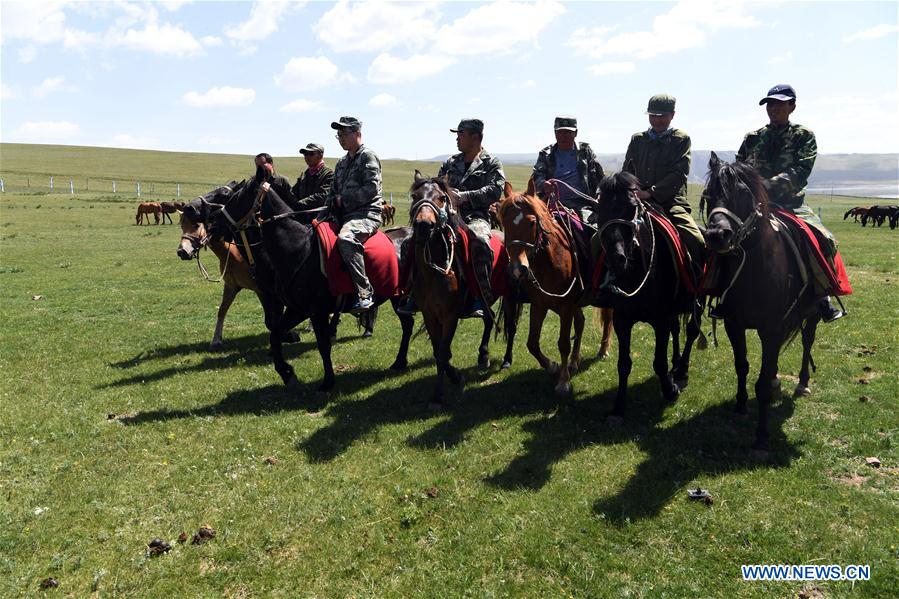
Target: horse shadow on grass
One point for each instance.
(712, 442)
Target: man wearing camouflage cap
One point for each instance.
(354, 201)
(660, 158)
(784, 153)
(574, 164)
(313, 185)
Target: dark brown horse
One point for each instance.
(167, 208)
(543, 257)
(437, 285)
(764, 286)
(642, 284)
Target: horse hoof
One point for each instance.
(325, 387)
(333, 339)
(399, 365)
(291, 337)
(553, 368)
(484, 365)
(292, 382)
(366, 335)
(574, 365)
(563, 389)
(801, 391)
(775, 382)
(603, 355)
(507, 364)
(216, 346)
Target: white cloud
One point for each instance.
(530, 83)
(382, 99)
(376, 26)
(852, 123)
(27, 54)
(46, 130)
(612, 68)
(220, 97)
(496, 27)
(873, 33)
(781, 58)
(211, 41)
(386, 69)
(34, 21)
(51, 85)
(301, 105)
(263, 21)
(685, 26)
(164, 39)
(303, 73)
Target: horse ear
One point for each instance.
(714, 161)
(508, 191)
(418, 176)
(532, 189)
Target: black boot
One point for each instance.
(829, 312)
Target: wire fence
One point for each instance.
(123, 188)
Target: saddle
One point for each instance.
(498, 284)
(831, 281)
(381, 263)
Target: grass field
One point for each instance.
(117, 426)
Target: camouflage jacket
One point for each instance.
(479, 186)
(662, 165)
(311, 190)
(357, 182)
(785, 157)
(588, 168)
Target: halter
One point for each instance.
(448, 234)
(641, 216)
(744, 228)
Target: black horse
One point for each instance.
(285, 259)
(642, 284)
(764, 287)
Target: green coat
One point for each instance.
(662, 165)
(479, 186)
(784, 156)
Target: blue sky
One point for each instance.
(242, 77)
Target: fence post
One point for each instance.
(138, 189)
(1, 186)
(71, 186)
(178, 189)
(391, 198)
(51, 182)
(113, 187)
(819, 212)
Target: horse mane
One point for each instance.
(453, 217)
(614, 184)
(523, 200)
(723, 179)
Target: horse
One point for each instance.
(765, 287)
(543, 258)
(286, 264)
(146, 209)
(167, 208)
(856, 212)
(643, 284)
(388, 214)
(437, 284)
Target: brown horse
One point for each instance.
(167, 208)
(146, 209)
(437, 285)
(388, 214)
(543, 257)
(765, 287)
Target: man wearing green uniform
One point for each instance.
(265, 173)
(354, 201)
(312, 187)
(784, 153)
(660, 158)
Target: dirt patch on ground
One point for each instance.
(852, 480)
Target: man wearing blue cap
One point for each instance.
(784, 153)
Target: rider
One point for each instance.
(574, 164)
(784, 153)
(265, 172)
(660, 158)
(479, 180)
(313, 185)
(354, 201)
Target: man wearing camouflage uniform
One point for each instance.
(574, 164)
(784, 153)
(354, 201)
(312, 187)
(660, 158)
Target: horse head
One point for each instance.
(433, 207)
(620, 219)
(524, 218)
(736, 198)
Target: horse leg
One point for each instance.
(538, 314)
(449, 332)
(809, 328)
(737, 337)
(574, 364)
(484, 347)
(675, 341)
(228, 295)
(435, 333)
(510, 327)
(274, 312)
(605, 319)
(563, 386)
(407, 322)
(323, 340)
(660, 361)
(681, 370)
(763, 387)
(332, 328)
(368, 322)
(623, 331)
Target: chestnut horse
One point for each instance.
(543, 257)
(437, 286)
(765, 287)
(146, 209)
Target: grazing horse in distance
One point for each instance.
(146, 209)
(858, 211)
(167, 208)
(388, 214)
(643, 283)
(543, 257)
(766, 290)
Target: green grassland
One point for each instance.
(117, 425)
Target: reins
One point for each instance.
(641, 215)
(448, 234)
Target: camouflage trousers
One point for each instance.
(353, 233)
(481, 256)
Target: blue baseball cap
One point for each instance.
(781, 91)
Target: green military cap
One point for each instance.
(312, 148)
(660, 104)
(567, 123)
(347, 122)
(476, 125)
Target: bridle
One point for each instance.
(743, 229)
(640, 220)
(540, 243)
(447, 232)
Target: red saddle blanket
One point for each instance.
(677, 252)
(836, 276)
(498, 275)
(381, 263)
